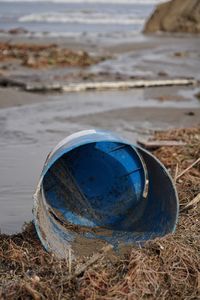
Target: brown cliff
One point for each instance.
(175, 16)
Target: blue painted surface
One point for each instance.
(109, 179)
(96, 179)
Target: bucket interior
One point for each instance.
(96, 184)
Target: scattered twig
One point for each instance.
(91, 261)
(176, 172)
(187, 169)
(191, 203)
(70, 260)
(32, 292)
(151, 145)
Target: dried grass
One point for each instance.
(166, 268)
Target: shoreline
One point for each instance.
(33, 122)
(29, 131)
(150, 58)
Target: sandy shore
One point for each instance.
(32, 123)
(149, 57)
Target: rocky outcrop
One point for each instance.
(175, 16)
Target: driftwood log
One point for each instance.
(77, 87)
(152, 145)
(10, 82)
(125, 84)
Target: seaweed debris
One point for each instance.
(41, 56)
(166, 268)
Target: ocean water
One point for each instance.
(115, 18)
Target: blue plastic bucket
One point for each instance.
(96, 186)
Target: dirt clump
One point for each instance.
(165, 268)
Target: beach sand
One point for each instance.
(32, 123)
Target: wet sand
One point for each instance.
(28, 132)
(149, 57)
(31, 123)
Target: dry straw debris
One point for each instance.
(166, 268)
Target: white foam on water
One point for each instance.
(93, 1)
(82, 18)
